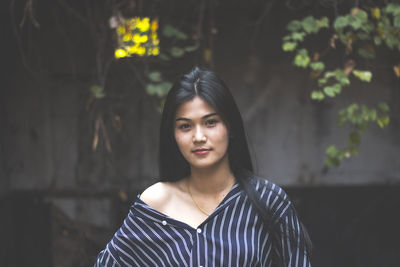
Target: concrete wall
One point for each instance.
(47, 132)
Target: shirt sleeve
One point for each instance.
(106, 258)
(290, 242)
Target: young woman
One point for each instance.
(208, 209)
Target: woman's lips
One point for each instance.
(201, 151)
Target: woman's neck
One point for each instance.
(211, 181)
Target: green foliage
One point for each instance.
(360, 31)
(97, 91)
(177, 51)
(364, 76)
(289, 46)
(360, 117)
(171, 31)
(159, 89)
(317, 66)
(317, 95)
(155, 76)
(302, 59)
(156, 84)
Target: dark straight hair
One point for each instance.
(210, 88)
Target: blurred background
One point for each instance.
(83, 86)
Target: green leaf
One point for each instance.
(333, 90)
(171, 31)
(97, 91)
(364, 76)
(367, 27)
(151, 89)
(310, 24)
(344, 80)
(298, 36)
(373, 114)
(329, 74)
(340, 77)
(396, 21)
(164, 57)
(332, 151)
(360, 14)
(317, 66)
(329, 162)
(164, 88)
(393, 9)
(191, 48)
(294, 25)
(317, 95)
(155, 76)
(377, 40)
(341, 22)
(383, 121)
(337, 88)
(328, 90)
(177, 51)
(354, 138)
(355, 23)
(323, 22)
(160, 89)
(289, 46)
(287, 38)
(302, 59)
(366, 53)
(322, 81)
(383, 107)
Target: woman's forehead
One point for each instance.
(194, 108)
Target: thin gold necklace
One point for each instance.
(195, 203)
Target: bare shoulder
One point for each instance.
(158, 195)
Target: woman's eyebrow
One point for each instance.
(204, 117)
(182, 119)
(209, 115)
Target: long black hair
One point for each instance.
(209, 87)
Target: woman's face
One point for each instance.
(201, 135)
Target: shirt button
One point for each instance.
(164, 222)
(199, 231)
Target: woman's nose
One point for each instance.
(199, 135)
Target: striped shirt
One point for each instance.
(233, 235)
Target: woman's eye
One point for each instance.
(211, 122)
(184, 126)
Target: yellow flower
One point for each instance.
(132, 22)
(136, 38)
(132, 49)
(143, 25)
(154, 25)
(127, 37)
(156, 51)
(141, 51)
(155, 41)
(144, 38)
(121, 30)
(376, 13)
(120, 53)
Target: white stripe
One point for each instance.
(229, 232)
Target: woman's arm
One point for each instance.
(290, 240)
